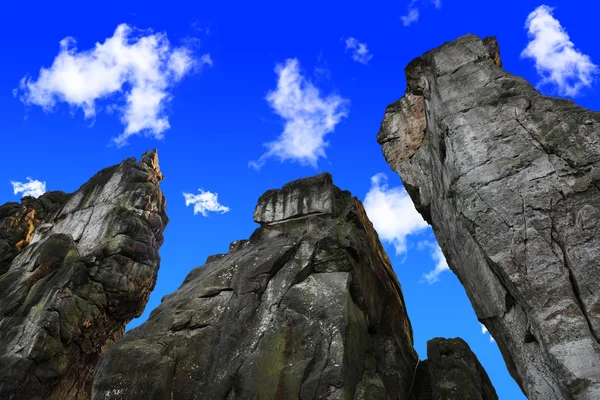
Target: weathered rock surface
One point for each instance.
(74, 269)
(452, 372)
(301, 198)
(18, 221)
(510, 181)
(307, 308)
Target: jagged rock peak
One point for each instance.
(307, 308)
(77, 268)
(297, 199)
(510, 181)
(150, 159)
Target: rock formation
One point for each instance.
(74, 269)
(509, 179)
(452, 372)
(307, 308)
(18, 221)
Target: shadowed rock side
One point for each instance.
(452, 372)
(18, 221)
(307, 308)
(75, 269)
(509, 180)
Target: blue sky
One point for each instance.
(209, 84)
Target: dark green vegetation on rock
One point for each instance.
(510, 181)
(74, 269)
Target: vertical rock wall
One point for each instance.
(510, 181)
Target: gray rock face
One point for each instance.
(308, 196)
(307, 308)
(18, 221)
(77, 268)
(510, 181)
(452, 372)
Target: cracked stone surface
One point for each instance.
(18, 221)
(74, 269)
(452, 372)
(307, 308)
(510, 181)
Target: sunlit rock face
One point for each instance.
(307, 308)
(315, 195)
(74, 269)
(510, 181)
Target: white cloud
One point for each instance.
(440, 262)
(32, 187)
(206, 59)
(395, 218)
(308, 117)
(410, 17)
(360, 52)
(205, 202)
(556, 59)
(392, 212)
(135, 70)
(484, 331)
(413, 13)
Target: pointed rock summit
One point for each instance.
(307, 308)
(74, 270)
(510, 181)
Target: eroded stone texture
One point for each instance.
(452, 372)
(509, 180)
(85, 265)
(307, 308)
(300, 198)
(18, 221)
